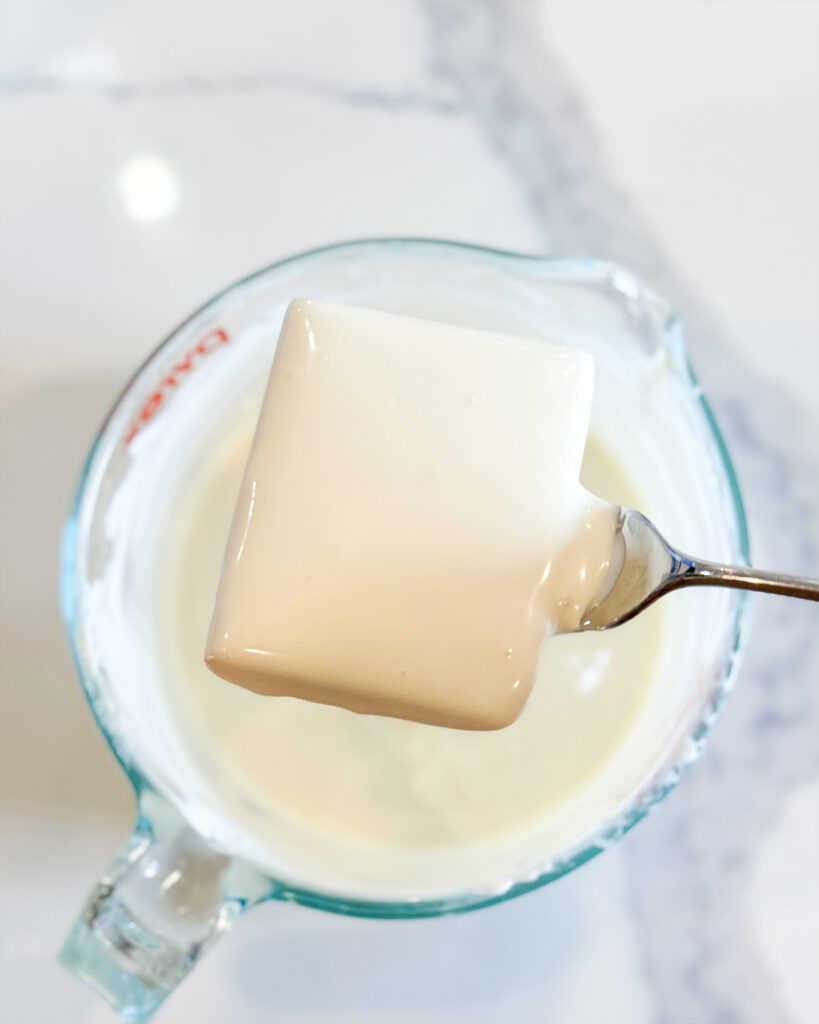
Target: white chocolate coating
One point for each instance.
(411, 523)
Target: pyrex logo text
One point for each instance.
(208, 343)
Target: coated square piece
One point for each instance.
(396, 515)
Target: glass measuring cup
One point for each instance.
(186, 872)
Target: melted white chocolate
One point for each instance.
(383, 782)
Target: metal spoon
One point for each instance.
(646, 567)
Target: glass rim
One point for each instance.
(665, 776)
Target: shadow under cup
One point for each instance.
(190, 867)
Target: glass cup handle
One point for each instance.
(160, 905)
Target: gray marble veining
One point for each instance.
(171, 88)
(688, 865)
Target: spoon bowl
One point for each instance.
(645, 566)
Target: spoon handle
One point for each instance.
(696, 572)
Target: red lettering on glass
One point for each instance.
(209, 342)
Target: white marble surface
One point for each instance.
(681, 137)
